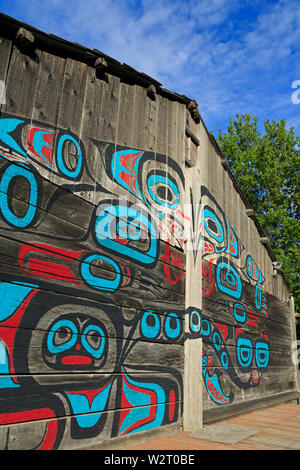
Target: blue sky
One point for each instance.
(231, 56)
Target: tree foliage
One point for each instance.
(266, 167)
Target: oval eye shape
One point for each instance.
(195, 321)
(224, 360)
(150, 324)
(262, 354)
(239, 311)
(93, 340)
(163, 191)
(213, 225)
(217, 342)
(204, 360)
(62, 336)
(172, 326)
(244, 352)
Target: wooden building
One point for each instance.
(137, 290)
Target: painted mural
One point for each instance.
(92, 291)
(91, 299)
(234, 323)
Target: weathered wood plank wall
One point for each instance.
(246, 325)
(122, 240)
(92, 286)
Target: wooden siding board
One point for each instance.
(21, 83)
(5, 53)
(67, 96)
(139, 133)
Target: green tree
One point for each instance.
(266, 166)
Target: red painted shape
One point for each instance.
(48, 269)
(47, 250)
(253, 321)
(208, 278)
(9, 328)
(210, 362)
(123, 241)
(50, 437)
(45, 150)
(215, 392)
(125, 281)
(43, 268)
(239, 331)
(171, 405)
(27, 415)
(208, 248)
(76, 360)
(223, 330)
(265, 336)
(255, 376)
(169, 269)
(130, 178)
(128, 406)
(232, 241)
(33, 415)
(10, 156)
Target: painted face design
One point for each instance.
(76, 341)
(65, 339)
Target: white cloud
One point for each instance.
(207, 49)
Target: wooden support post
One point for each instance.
(193, 384)
(294, 344)
(192, 404)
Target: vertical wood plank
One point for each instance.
(71, 107)
(172, 130)
(162, 147)
(46, 101)
(180, 134)
(162, 128)
(89, 129)
(126, 112)
(139, 117)
(151, 123)
(92, 128)
(5, 52)
(110, 110)
(22, 79)
(192, 405)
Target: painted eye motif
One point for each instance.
(213, 225)
(150, 324)
(163, 191)
(62, 336)
(262, 354)
(244, 352)
(172, 326)
(195, 321)
(93, 340)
